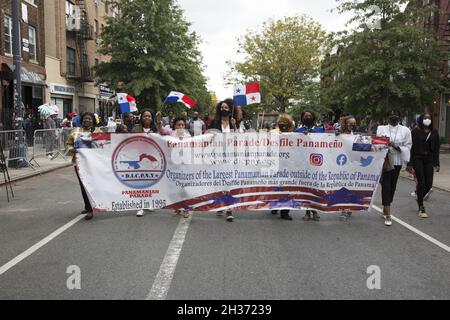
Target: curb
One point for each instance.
(434, 186)
(36, 173)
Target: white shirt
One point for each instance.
(401, 136)
(227, 129)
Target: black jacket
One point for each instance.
(421, 149)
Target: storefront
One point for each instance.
(62, 96)
(33, 87)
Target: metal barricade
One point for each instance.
(15, 148)
(48, 143)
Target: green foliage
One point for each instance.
(396, 65)
(284, 58)
(153, 52)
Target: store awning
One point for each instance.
(27, 76)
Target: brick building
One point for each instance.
(33, 73)
(440, 23)
(73, 36)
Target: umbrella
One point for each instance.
(46, 111)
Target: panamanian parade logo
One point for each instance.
(139, 162)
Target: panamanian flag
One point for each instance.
(248, 94)
(182, 98)
(126, 103)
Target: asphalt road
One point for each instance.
(257, 257)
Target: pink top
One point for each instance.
(165, 131)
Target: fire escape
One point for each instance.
(81, 35)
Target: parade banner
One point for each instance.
(239, 172)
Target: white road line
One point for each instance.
(38, 245)
(417, 231)
(165, 274)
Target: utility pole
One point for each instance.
(18, 111)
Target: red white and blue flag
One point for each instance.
(247, 94)
(126, 103)
(182, 98)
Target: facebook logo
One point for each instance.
(341, 160)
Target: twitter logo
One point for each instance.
(365, 162)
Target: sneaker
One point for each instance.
(230, 216)
(414, 195)
(316, 216)
(140, 213)
(219, 213)
(343, 217)
(148, 211)
(285, 216)
(89, 215)
(274, 212)
(307, 217)
(427, 196)
(422, 213)
(387, 221)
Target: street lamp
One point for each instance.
(18, 111)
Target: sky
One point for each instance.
(220, 22)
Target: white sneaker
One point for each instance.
(427, 196)
(140, 213)
(387, 222)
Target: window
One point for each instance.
(70, 11)
(32, 43)
(33, 2)
(96, 31)
(70, 61)
(8, 35)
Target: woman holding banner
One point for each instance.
(225, 122)
(347, 126)
(146, 125)
(178, 130)
(400, 143)
(285, 124)
(308, 122)
(81, 138)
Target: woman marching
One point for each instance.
(178, 130)
(146, 125)
(308, 122)
(399, 153)
(81, 138)
(347, 126)
(424, 158)
(285, 124)
(225, 122)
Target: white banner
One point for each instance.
(214, 172)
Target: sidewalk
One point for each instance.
(441, 179)
(46, 165)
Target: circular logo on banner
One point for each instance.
(139, 162)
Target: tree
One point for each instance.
(284, 57)
(153, 52)
(392, 63)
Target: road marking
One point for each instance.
(165, 274)
(38, 245)
(417, 231)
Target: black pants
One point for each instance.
(389, 185)
(87, 204)
(424, 174)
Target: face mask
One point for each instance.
(284, 127)
(353, 128)
(308, 121)
(225, 113)
(427, 122)
(195, 117)
(394, 121)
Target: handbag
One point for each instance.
(388, 164)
